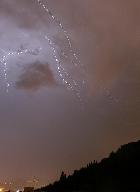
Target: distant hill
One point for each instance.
(120, 172)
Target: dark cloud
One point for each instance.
(35, 76)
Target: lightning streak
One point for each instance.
(67, 79)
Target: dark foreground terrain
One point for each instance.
(120, 172)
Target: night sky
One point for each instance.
(69, 84)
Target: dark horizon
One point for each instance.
(117, 172)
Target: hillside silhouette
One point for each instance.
(120, 172)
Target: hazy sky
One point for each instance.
(69, 84)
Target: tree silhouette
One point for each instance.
(117, 173)
(63, 177)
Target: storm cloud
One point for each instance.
(47, 131)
